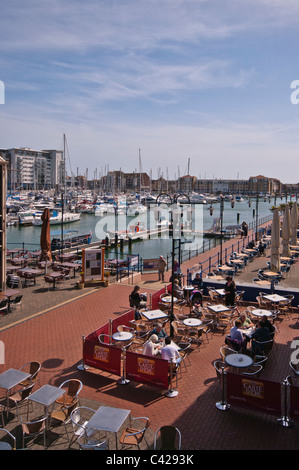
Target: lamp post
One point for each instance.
(256, 216)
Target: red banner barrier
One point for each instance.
(294, 402)
(102, 356)
(254, 393)
(146, 369)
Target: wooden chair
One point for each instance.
(72, 388)
(33, 429)
(132, 436)
(34, 368)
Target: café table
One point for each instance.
(46, 396)
(188, 289)
(216, 277)
(192, 322)
(31, 272)
(239, 361)
(8, 294)
(152, 315)
(218, 308)
(122, 336)
(275, 298)
(69, 265)
(220, 292)
(259, 312)
(10, 379)
(55, 275)
(263, 282)
(108, 419)
(167, 299)
(271, 274)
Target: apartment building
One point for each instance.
(34, 169)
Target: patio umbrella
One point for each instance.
(286, 232)
(275, 238)
(294, 224)
(45, 240)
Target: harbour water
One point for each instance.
(150, 248)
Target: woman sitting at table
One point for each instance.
(151, 348)
(178, 292)
(136, 299)
(230, 291)
(245, 322)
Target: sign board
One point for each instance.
(150, 264)
(93, 264)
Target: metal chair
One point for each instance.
(17, 302)
(72, 389)
(34, 428)
(79, 418)
(34, 368)
(93, 444)
(6, 445)
(21, 397)
(4, 306)
(63, 416)
(132, 436)
(170, 438)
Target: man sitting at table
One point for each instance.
(261, 334)
(197, 281)
(158, 330)
(170, 352)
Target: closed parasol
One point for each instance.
(45, 239)
(294, 224)
(275, 239)
(286, 232)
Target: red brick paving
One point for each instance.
(55, 339)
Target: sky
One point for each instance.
(162, 86)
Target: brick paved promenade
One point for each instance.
(50, 329)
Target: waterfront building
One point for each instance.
(34, 169)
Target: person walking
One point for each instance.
(161, 268)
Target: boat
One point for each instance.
(71, 238)
(134, 231)
(56, 218)
(27, 217)
(136, 209)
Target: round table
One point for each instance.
(5, 446)
(167, 299)
(258, 312)
(192, 322)
(122, 336)
(239, 360)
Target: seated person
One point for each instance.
(170, 352)
(251, 245)
(151, 348)
(197, 281)
(266, 322)
(196, 299)
(136, 299)
(260, 334)
(178, 292)
(235, 332)
(158, 330)
(245, 322)
(261, 248)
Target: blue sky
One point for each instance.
(207, 80)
